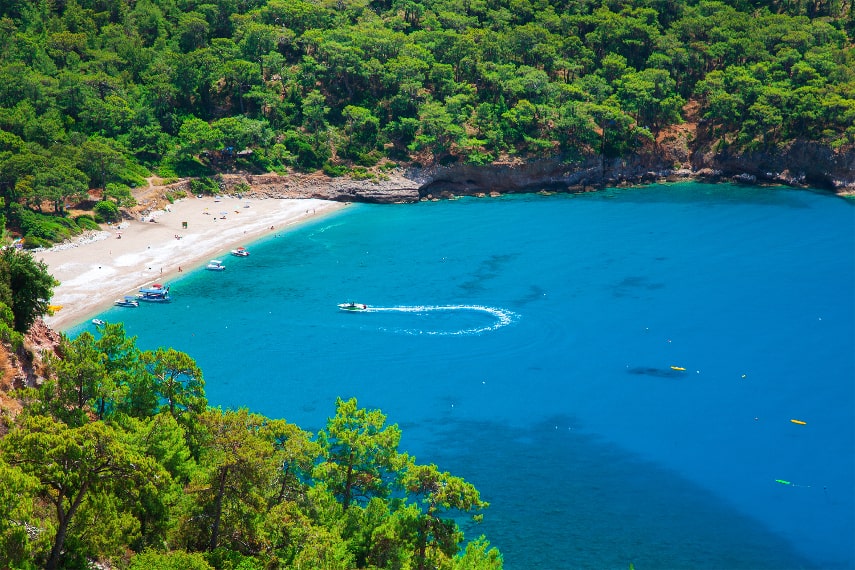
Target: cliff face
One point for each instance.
(506, 177)
(394, 188)
(801, 164)
(24, 367)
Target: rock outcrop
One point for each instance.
(389, 188)
(801, 164)
(24, 368)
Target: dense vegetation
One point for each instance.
(99, 93)
(25, 289)
(118, 458)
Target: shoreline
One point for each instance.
(100, 267)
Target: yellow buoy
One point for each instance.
(800, 422)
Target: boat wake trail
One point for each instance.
(501, 317)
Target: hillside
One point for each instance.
(98, 95)
(25, 367)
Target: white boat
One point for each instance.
(240, 252)
(352, 307)
(215, 265)
(157, 293)
(127, 302)
(98, 322)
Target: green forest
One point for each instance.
(117, 458)
(96, 95)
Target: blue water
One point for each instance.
(527, 346)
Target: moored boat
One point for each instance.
(127, 302)
(155, 294)
(240, 252)
(215, 265)
(352, 307)
(98, 322)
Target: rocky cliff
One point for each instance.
(24, 367)
(800, 164)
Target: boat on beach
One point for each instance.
(157, 293)
(127, 302)
(240, 252)
(215, 265)
(353, 307)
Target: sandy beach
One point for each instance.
(96, 269)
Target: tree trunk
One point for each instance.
(62, 530)
(218, 509)
(420, 556)
(348, 484)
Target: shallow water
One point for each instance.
(532, 345)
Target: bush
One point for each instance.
(43, 226)
(86, 222)
(106, 211)
(8, 333)
(204, 186)
(368, 159)
(32, 242)
(360, 173)
(334, 170)
(177, 560)
(176, 194)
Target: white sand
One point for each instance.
(99, 268)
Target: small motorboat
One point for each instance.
(98, 322)
(215, 265)
(127, 302)
(352, 307)
(240, 252)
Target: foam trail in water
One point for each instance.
(503, 317)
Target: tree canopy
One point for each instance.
(25, 287)
(96, 95)
(102, 91)
(116, 455)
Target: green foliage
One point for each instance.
(16, 505)
(48, 229)
(92, 97)
(107, 211)
(334, 169)
(86, 222)
(25, 287)
(8, 334)
(33, 242)
(120, 446)
(204, 186)
(479, 556)
(361, 453)
(175, 560)
(121, 193)
(77, 468)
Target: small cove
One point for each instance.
(592, 449)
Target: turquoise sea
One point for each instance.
(526, 343)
